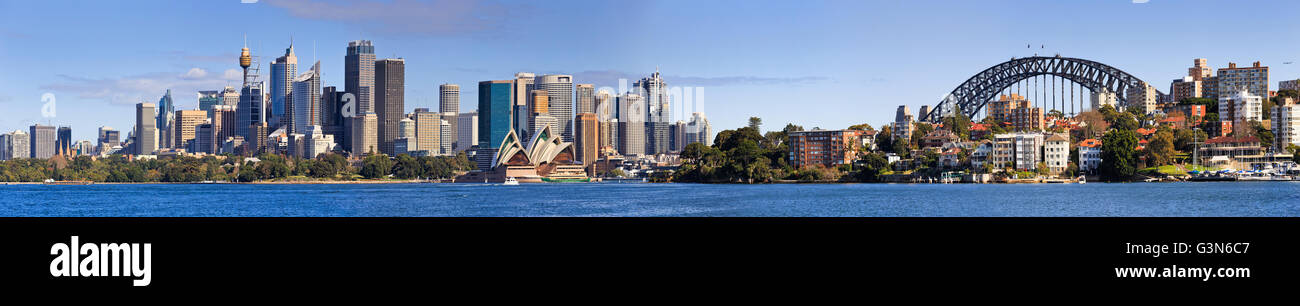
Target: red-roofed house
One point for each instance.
(1089, 155)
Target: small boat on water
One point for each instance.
(511, 181)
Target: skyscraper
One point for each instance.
(428, 131)
(588, 138)
(166, 114)
(146, 131)
(331, 116)
(658, 112)
(209, 98)
(522, 105)
(586, 97)
(187, 122)
(631, 124)
(252, 106)
(108, 138)
(494, 103)
(224, 123)
(467, 136)
(63, 146)
(230, 96)
(390, 76)
(359, 74)
(559, 90)
(364, 139)
(449, 106)
(42, 142)
(283, 70)
(304, 104)
(16, 144)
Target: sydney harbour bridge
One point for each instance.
(1040, 79)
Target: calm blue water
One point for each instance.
(612, 199)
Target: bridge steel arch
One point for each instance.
(971, 96)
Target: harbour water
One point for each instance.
(647, 200)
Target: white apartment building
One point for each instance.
(1241, 107)
(1089, 155)
(1286, 119)
(1056, 152)
(1021, 151)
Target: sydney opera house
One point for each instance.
(546, 158)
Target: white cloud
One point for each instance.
(143, 87)
(441, 17)
(194, 74)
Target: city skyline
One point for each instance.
(99, 73)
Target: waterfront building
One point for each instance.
(631, 125)
(1089, 155)
(1231, 152)
(359, 74)
(522, 103)
(1056, 152)
(1234, 79)
(829, 148)
(449, 107)
(588, 138)
(1020, 151)
(467, 131)
(303, 107)
(609, 135)
(494, 118)
(983, 150)
(559, 92)
(428, 131)
(924, 113)
(390, 89)
(658, 112)
(1286, 123)
(1240, 106)
(545, 158)
(283, 72)
(187, 122)
(146, 131)
(364, 138)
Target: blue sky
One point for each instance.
(825, 64)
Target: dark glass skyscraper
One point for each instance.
(390, 89)
(494, 106)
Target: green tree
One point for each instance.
(376, 166)
(406, 167)
(1160, 148)
(755, 123)
(1119, 155)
